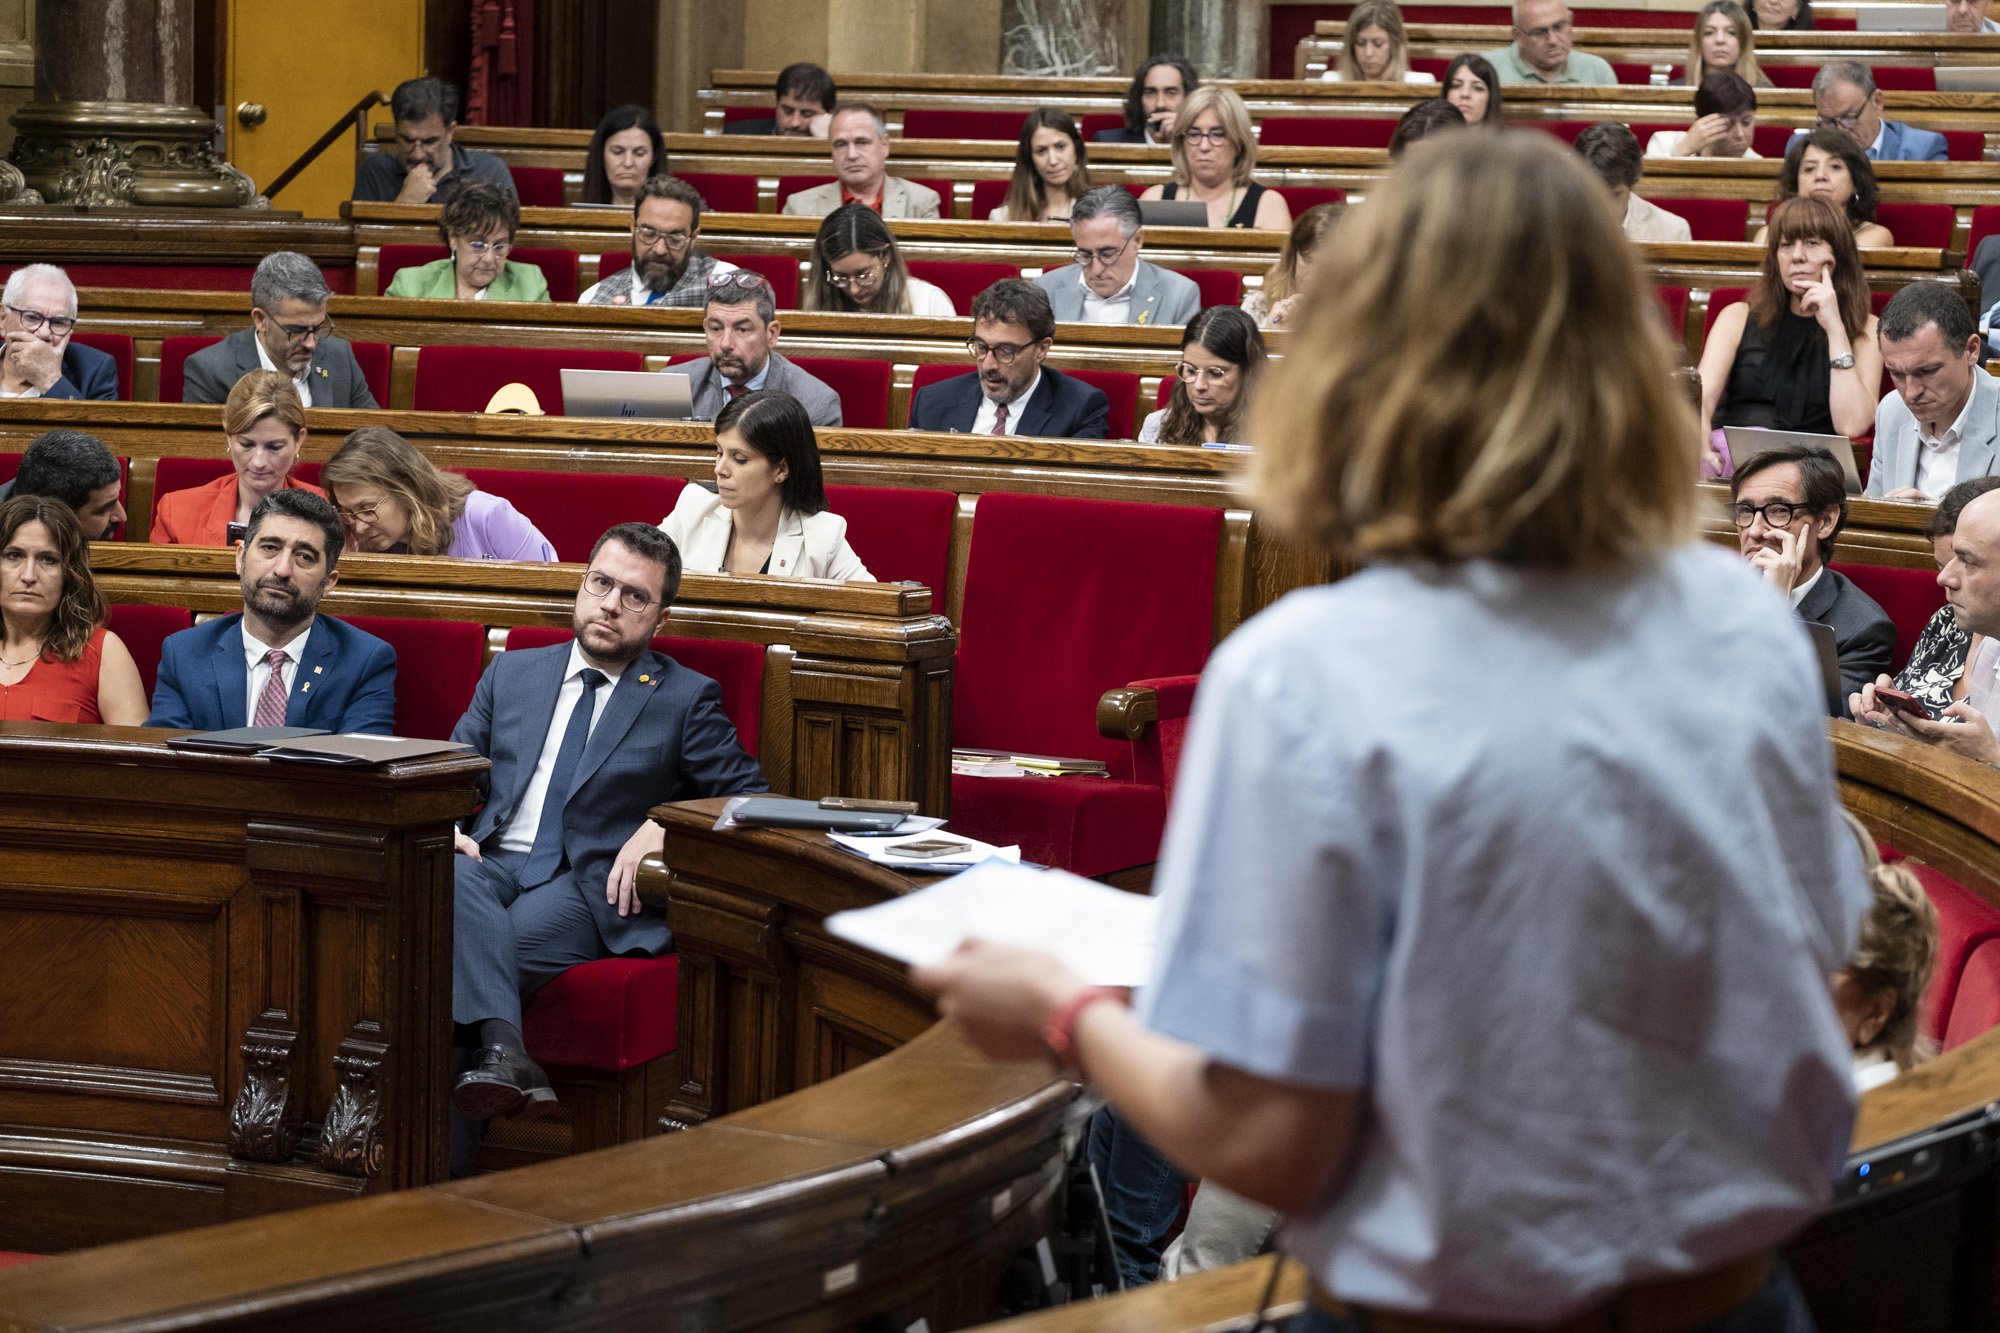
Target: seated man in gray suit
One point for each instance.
(585, 737)
(740, 323)
(1791, 503)
(860, 141)
(1109, 283)
(288, 331)
(1941, 424)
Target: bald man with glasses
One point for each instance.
(1110, 283)
(1542, 51)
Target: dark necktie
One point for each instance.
(735, 391)
(546, 857)
(1000, 421)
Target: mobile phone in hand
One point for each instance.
(1901, 701)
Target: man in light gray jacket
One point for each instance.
(1941, 425)
(1109, 283)
(740, 324)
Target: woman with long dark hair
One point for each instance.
(1050, 171)
(1222, 356)
(624, 152)
(855, 266)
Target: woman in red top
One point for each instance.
(265, 424)
(57, 661)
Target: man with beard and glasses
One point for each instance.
(279, 664)
(585, 738)
(741, 326)
(666, 268)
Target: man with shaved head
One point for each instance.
(1971, 582)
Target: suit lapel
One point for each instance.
(1145, 295)
(1975, 451)
(627, 698)
(1820, 600)
(232, 676)
(314, 674)
(1040, 404)
(788, 551)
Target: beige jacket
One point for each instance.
(900, 199)
(1649, 222)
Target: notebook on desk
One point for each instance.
(242, 740)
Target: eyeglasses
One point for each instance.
(1212, 375)
(299, 333)
(32, 321)
(1104, 257)
(1844, 123)
(1542, 34)
(601, 586)
(1004, 353)
(359, 514)
(652, 236)
(865, 279)
(480, 249)
(1777, 514)
(735, 288)
(1217, 136)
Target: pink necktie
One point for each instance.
(271, 703)
(735, 391)
(1000, 420)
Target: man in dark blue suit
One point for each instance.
(37, 358)
(1011, 391)
(585, 738)
(278, 663)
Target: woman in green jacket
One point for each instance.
(478, 226)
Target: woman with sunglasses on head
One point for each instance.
(767, 513)
(1050, 171)
(1222, 356)
(478, 227)
(1215, 154)
(855, 266)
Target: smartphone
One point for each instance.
(863, 803)
(237, 532)
(1898, 701)
(928, 850)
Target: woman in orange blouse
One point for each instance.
(265, 424)
(58, 663)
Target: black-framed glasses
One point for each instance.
(601, 585)
(1104, 256)
(1217, 136)
(1004, 353)
(298, 333)
(652, 236)
(1777, 514)
(32, 321)
(1846, 124)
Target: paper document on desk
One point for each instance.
(887, 851)
(1104, 934)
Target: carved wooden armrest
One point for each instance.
(1124, 714)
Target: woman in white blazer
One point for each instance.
(767, 513)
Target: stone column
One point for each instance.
(110, 123)
(1224, 39)
(1071, 38)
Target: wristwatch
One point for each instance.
(1845, 361)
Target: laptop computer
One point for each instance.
(1968, 78)
(1173, 212)
(1746, 442)
(1898, 18)
(1829, 663)
(659, 395)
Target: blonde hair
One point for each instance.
(1481, 374)
(1235, 118)
(1746, 65)
(434, 500)
(1896, 952)
(1309, 231)
(260, 394)
(1383, 14)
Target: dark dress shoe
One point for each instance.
(504, 1083)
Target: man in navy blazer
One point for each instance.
(278, 663)
(1846, 98)
(585, 737)
(37, 358)
(1011, 391)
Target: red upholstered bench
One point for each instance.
(559, 267)
(922, 123)
(464, 379)
(962, 279)
(862, 384)
(1711, 219)
(721, 192)
(989, 195)
(1966, 923)
(1031, 670)
(1975, 1005)
(538, 187)
(1920, 226)
(605, 1030)
(1910, 596)
(1301, 197)
(1674, 306)
(1097, 122)
(117, 346)
(732, 114)
(574, 508)
(1219, 286)
(1985, 221)
(1326, 131)
(144, 629)
(899, 534)
(438, 663)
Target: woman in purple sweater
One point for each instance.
(394, 500)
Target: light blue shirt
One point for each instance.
(1549, 866)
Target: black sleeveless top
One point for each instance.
(1781, 379)
(1246, 211)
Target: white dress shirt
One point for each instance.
(1799, 593)
(519, 833)
(1937, 455)
(303, 383)
(982, 420)
(1113, 309)
(259, 672)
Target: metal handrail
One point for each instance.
(353, 119)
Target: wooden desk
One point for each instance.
(903, 1185)
(226, 981)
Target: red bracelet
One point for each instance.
(1060, 1035)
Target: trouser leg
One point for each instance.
(1142, 1195)
(483, 968)
(553, 932)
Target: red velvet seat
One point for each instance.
(1910, 596)
(1326, 131)
(989, 195)
(1711, 219)
(1301, 197)
(781, 271)
(1566, 130)
(732, 114)
(899, 534)
(722, 192)
(1791, 76)
(117, 346)
(144, 630)
(9, 465)
(1975, 1004)
(166, 277)
(863, 386)
(1965, 923)
(1097, 122)
(557, 266)
(1632, 71)
(1772, 140)
(1964, 145)
(962, 279)
(1674, 306)
(1905, 79)
(1922, 226)
(174, 352)
(1985, 221)
(375, 360)
(1031, 668)
(464, 379)
(539, 187)
(928, 123)
(438, 663)
(1219, 286)
(574, 508)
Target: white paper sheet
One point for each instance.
(882, 850)
(1104, 934)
